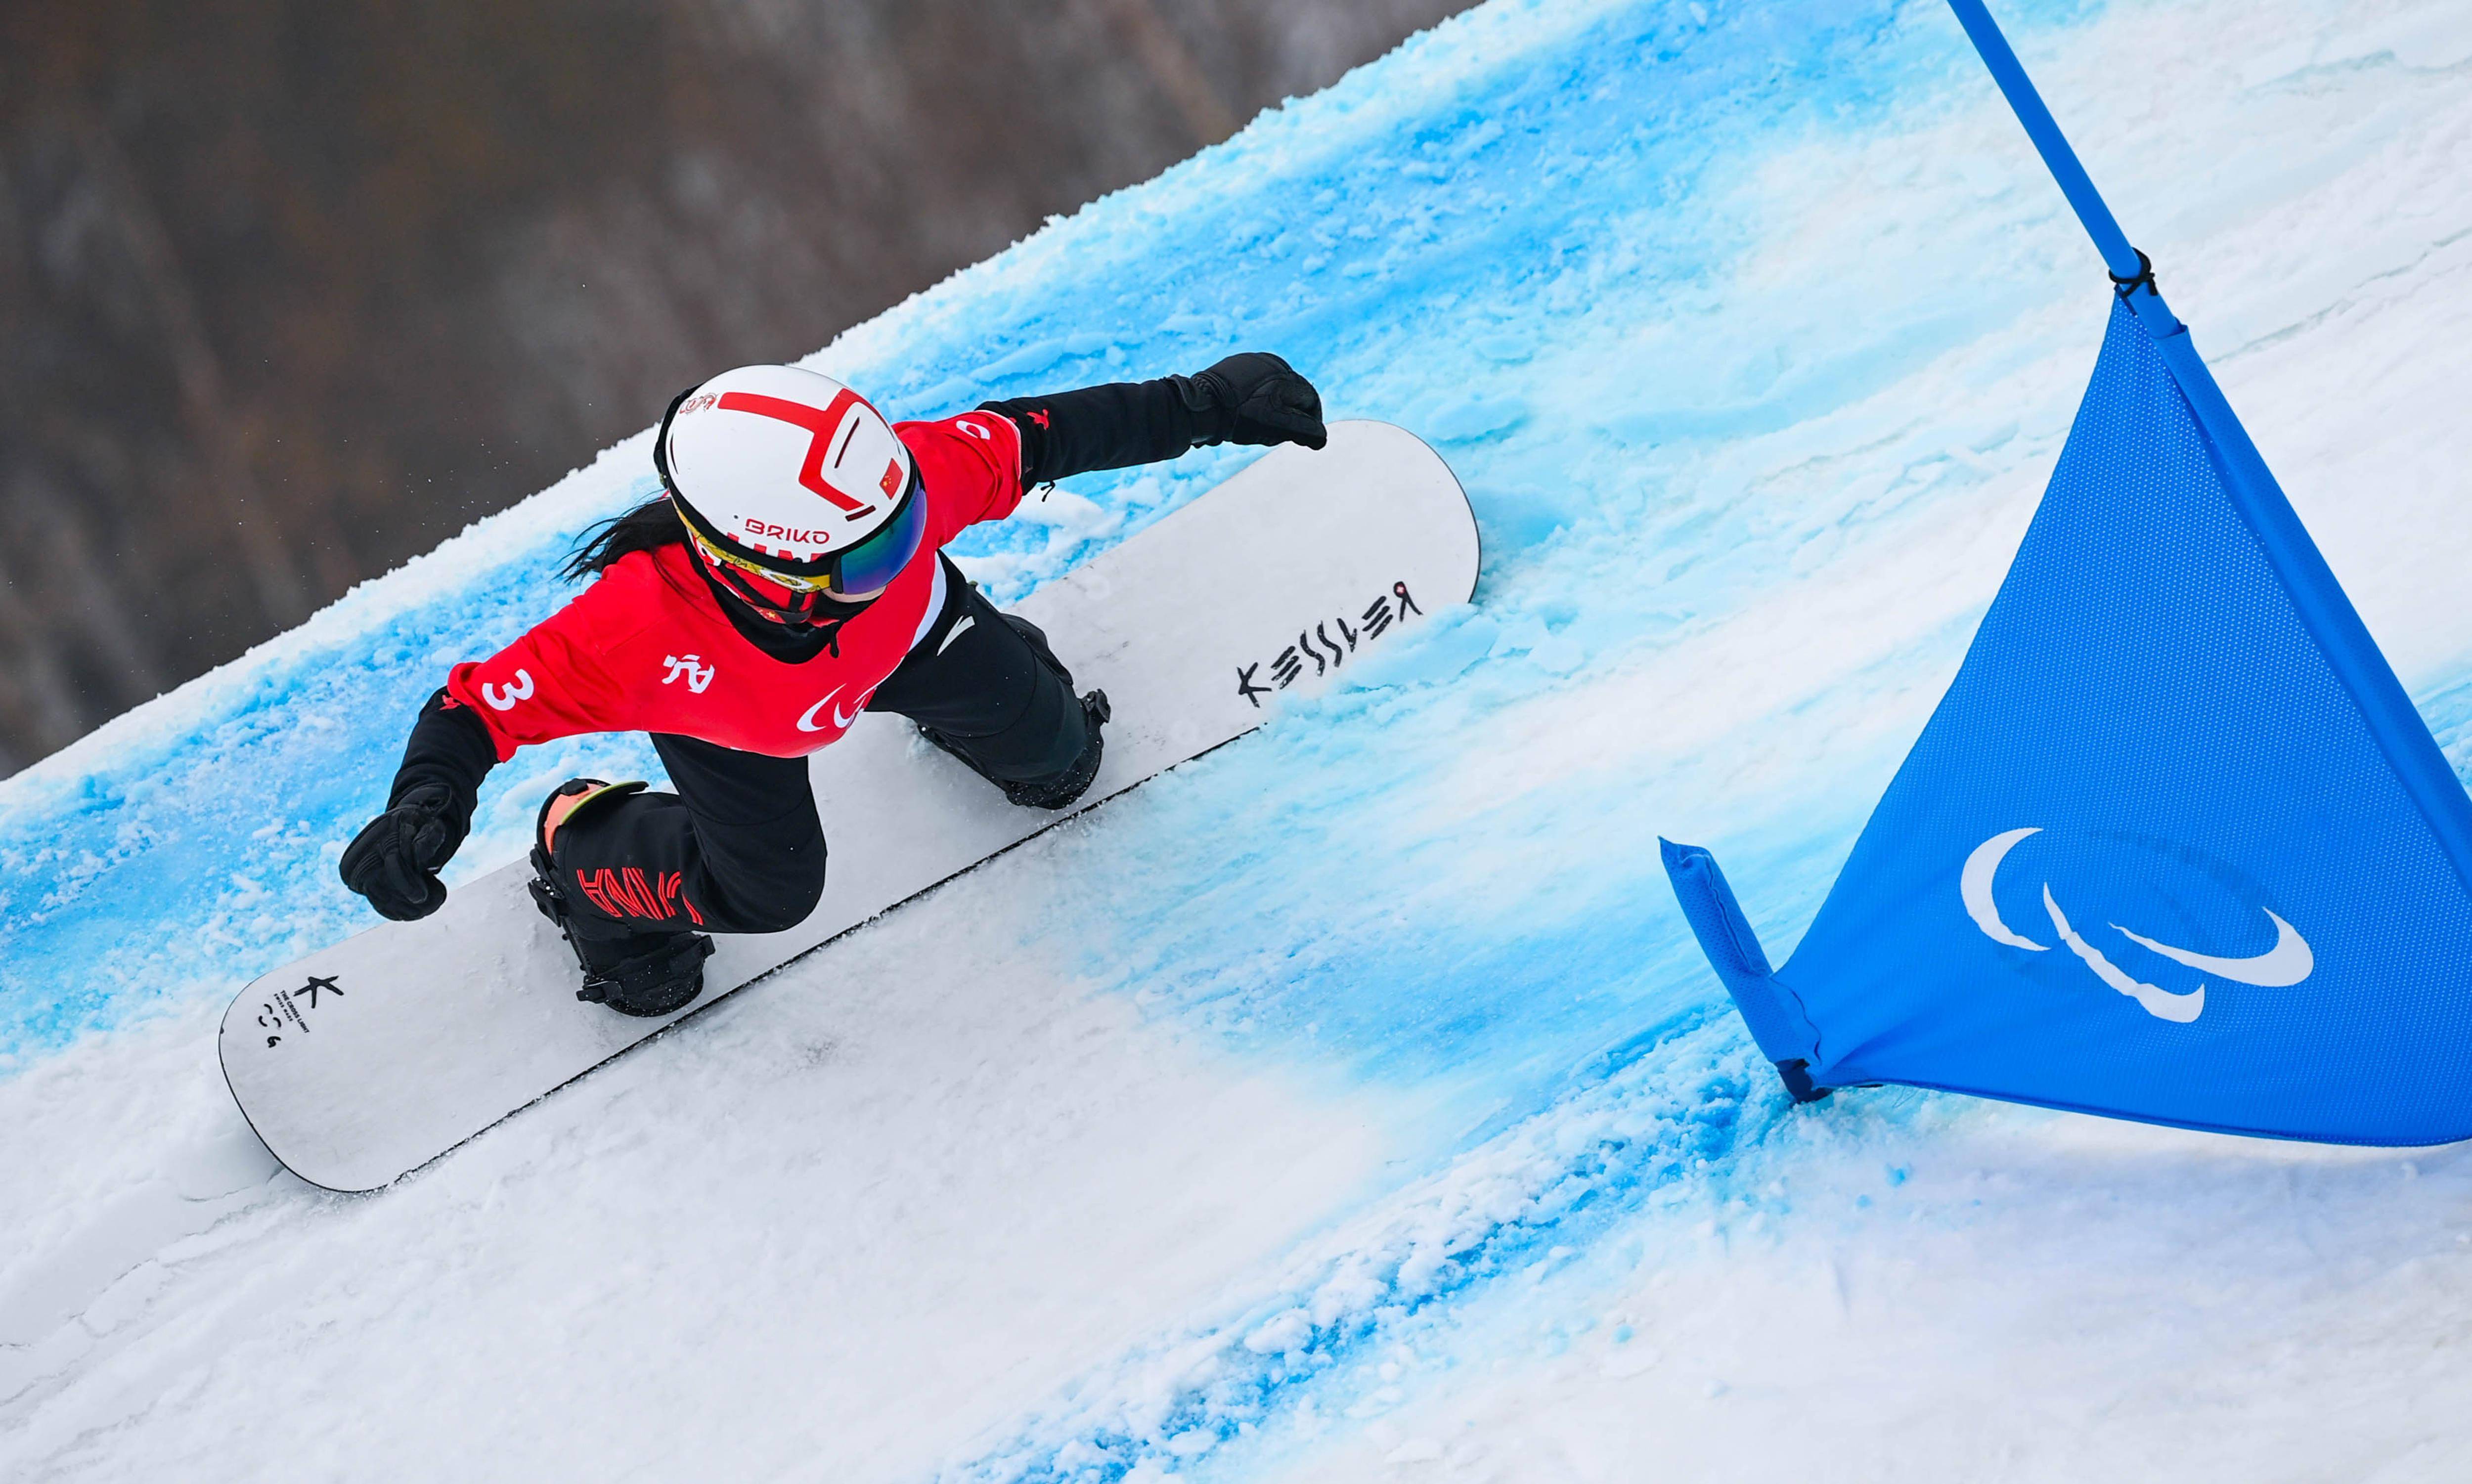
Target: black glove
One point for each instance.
(1253, 397)
(394, 860)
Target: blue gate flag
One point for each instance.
(2175, 846)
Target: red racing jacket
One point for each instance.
(647, 648)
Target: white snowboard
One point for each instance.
(372, 1058)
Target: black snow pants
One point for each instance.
(739, 848)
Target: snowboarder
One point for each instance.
(790, 575)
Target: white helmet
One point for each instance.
(790, 476)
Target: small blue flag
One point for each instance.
(2173, 847)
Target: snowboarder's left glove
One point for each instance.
(394, 860)
(1253, 397)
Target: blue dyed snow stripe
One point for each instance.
(1664, 1109)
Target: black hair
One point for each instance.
(647, 528)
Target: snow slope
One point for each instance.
(1352, 1104)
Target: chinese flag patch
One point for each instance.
(891, 480)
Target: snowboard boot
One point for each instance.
(1067, 788)
(1063, 790)
(631, 972)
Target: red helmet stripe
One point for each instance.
(819, 426)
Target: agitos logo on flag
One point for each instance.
(2288, 962)
(2175, 846)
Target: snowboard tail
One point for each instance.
(370, 1058)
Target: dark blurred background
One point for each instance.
(292, 290)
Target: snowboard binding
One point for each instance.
(1064, 789)
(633, 972)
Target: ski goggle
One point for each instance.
(860, 569)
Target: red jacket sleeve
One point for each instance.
(550, 683)
(971, 465)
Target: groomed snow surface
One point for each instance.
(1351, 1105)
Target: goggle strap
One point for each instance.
(718, 558)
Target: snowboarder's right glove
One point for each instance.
(394, 860)
(1253, 397)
